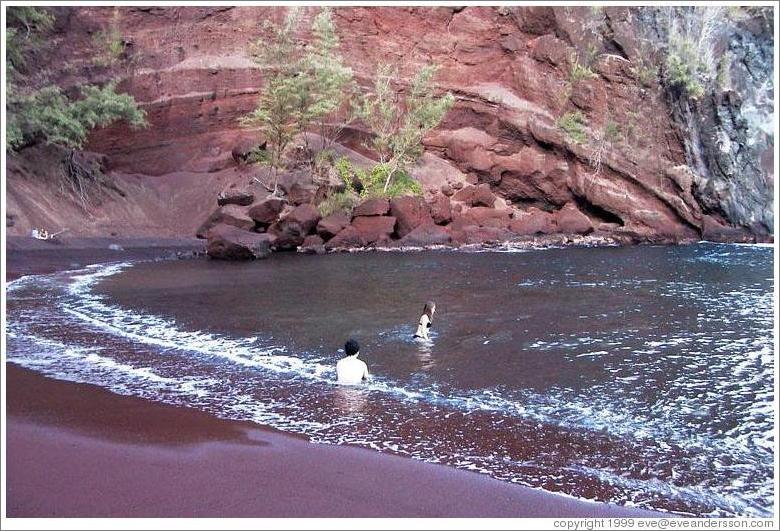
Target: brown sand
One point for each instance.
(79, 450)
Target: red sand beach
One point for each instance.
(76, 450)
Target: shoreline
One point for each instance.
(178, 461)
(169, 461)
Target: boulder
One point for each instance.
(410, 212)
(475, 235)
(373, 229)
(313, 244)
(233, 215)
(293, 226)
(447, 190)
(372, 207)
(441, 209)
(235, 196)
(266, 211)
(331, 225)
(488, 217)
(479, 195)
(534, 221)
(349, 237)
(226, 242)
(301, 194)
(570, 220)
(425, 235)
(307, 216)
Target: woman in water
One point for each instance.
(426, 319)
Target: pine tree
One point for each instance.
(305, 87)
(400, 124)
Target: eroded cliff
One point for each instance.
(639, 164)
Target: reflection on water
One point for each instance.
(349, 400)
(639, 375)
(425, 353)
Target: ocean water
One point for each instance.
(640, 376)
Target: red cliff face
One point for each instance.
(511, 73)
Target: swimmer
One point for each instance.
(426, 319)
(350, 370)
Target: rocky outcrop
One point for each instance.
(728, 135)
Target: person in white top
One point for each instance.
(350, 370)
(426, 320)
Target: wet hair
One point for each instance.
(428, 309)
(351, 347)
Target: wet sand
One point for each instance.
(79, 450)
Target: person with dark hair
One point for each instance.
(350, 370)
(426, 319)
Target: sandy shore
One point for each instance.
(78, 450)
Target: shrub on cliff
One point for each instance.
(399, 124)
(38, 111)
(370, 184)
(306, 86)
(693, 33)
(573, 124)
(338, 202)
(45, 113)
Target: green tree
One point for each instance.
(398, 123)
(276, 114)
(331, 80)
(46, 114)
(305, 87)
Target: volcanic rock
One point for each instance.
(235, 196)
(266, 211)
(410, 212)
(229, 215)
(373, 229)
(348, 237)
(226, 242)
(372, 207)
(331, 225)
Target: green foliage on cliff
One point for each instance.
(690, 63)
(371, 183)
(109, 47)
(579, 72)
(684, 69)
(573, 124)
(41, 112)
(375, 182)
(305, 87)
(50, 116)
(399, 123)
(338, 203)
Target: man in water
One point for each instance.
(351, 370)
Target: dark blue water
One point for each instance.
(641, 376)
